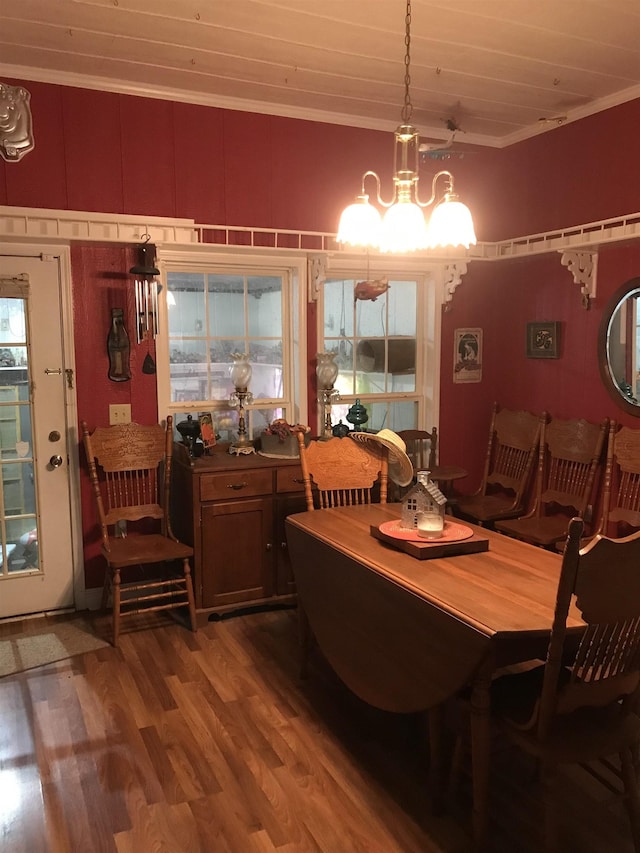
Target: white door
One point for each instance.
(37, 567)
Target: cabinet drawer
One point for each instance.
(235, 484)
(289, 479)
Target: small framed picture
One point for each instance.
(467, 355)
(543, 340)
(207, 431)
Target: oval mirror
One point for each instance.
(619, 347)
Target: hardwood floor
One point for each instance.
(210, 742)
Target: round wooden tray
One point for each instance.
(453, 532)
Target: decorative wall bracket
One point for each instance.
(317, 273)
(583, 267)
(452, 278)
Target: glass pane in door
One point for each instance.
(18, 511)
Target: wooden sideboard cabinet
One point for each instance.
(231, 510)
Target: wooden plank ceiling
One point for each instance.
(500, 70)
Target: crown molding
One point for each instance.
(145, 90)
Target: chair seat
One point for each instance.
(584, 735)
(487, 507)
(546, 530)
(146, 548)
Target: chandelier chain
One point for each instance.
(407, 109)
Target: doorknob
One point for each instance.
(55, 461)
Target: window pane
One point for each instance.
(17, 488)
(402, 308)
(186, 316)
(264, 306)
(22, 544)
(189, 372)
(338, 311)
(259, 419)
(371, 317)
(217, 314)
(267, 376)
(345, 383)
(13, 328)
(226, 306)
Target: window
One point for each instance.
(385, 349)
(213, 310)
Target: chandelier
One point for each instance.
(403, 227)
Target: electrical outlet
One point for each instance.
(119, 413)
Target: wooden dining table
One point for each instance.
(406, 634)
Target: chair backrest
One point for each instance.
(130, 472)
(604, 670)
(511, 451)
(343, 470)
(568, 460)
(621, 494)
(422, 447)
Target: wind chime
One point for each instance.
(146, 298)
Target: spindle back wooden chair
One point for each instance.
(582, 705)
(422, 449)
(569, 459)
(344, 472)
(621, 495)
(511, 452)
(130, 472)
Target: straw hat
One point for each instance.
(400, 467)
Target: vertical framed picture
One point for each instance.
(543, 340)
(207, 431)
(467, 355)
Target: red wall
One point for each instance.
(111, 153)
(101, 282)
(501, 298)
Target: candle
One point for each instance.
(430, 525)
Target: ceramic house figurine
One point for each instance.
(423, 507)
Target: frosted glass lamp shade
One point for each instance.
(326, 370)
(240, 370)
(360, 224)
(403, 228)
(451, 225)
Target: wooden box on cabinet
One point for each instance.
(231, 510)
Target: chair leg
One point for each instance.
(480, 719)
(106, 587)
(115, 585)
(190, 596)
(455, 769)
(631, 799)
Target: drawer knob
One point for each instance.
(283, 545)
(269, 546)
(237, 486)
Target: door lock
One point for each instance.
(55, 461)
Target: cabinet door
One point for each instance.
(237, 557)
(285, 582)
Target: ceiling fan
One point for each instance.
(444, 150)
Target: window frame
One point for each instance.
(294, 343)
(429, 298)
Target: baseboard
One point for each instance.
(246, 610)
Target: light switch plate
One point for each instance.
(119, 413)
